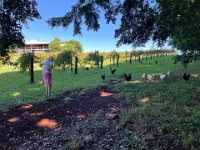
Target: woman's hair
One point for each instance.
(50, 58)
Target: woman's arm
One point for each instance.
(41, 65)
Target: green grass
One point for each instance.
(15, 88)
(173, 104)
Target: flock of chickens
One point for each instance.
(145, 76)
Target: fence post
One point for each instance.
(131, 57)
(31, 70)
(117, 59)
(71, 64)
(101, 66)
(113, 60)
(76, 65)
(126, 56)
(139, 58)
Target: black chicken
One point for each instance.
(113, 70)
(127, 77)
(186, 76)
(87, 68)
(103, 76)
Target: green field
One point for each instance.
(16, 90)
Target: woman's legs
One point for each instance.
(47, 82)
(49, 90)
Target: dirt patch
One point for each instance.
(23, 122)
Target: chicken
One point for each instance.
(150, 77)
(127, 77)
(103, 76)
(113, 70)
(87, 68)
(162, 76)
(144, 76)
(168, 73)
(186, 77)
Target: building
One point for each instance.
(36, 46)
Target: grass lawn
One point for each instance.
(15, 88)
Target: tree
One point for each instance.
(141, 20)
(63, 59)
(94, 57)
(72, 45)
(13, 14)
(55, 45)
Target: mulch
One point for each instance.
(30, 119)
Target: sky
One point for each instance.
(102, 40)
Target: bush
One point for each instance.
(44, 56)
(64, 58)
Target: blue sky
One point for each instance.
(101, 40)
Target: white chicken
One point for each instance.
(168, 73)
(162, 76)
(144, 76)
(150, 77)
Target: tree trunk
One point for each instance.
(139, 58)
(130, 58)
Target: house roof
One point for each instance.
(36, 42)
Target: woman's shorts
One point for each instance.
(46, 78)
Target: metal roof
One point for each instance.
(36, 42)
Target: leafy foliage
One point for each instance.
(55, 45)
(12, 15)
(63, 58)
(24, 61)
(74, 46)
(94, 57)
(141, 20)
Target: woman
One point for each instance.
(46, 74)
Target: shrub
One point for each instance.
(63, 58)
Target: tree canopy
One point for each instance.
(72, 45)
(141, 20)
(13, 14)
(55, 45)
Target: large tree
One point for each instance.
(55, 45)
(13, 14)
(141, 20)
(72, 45)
